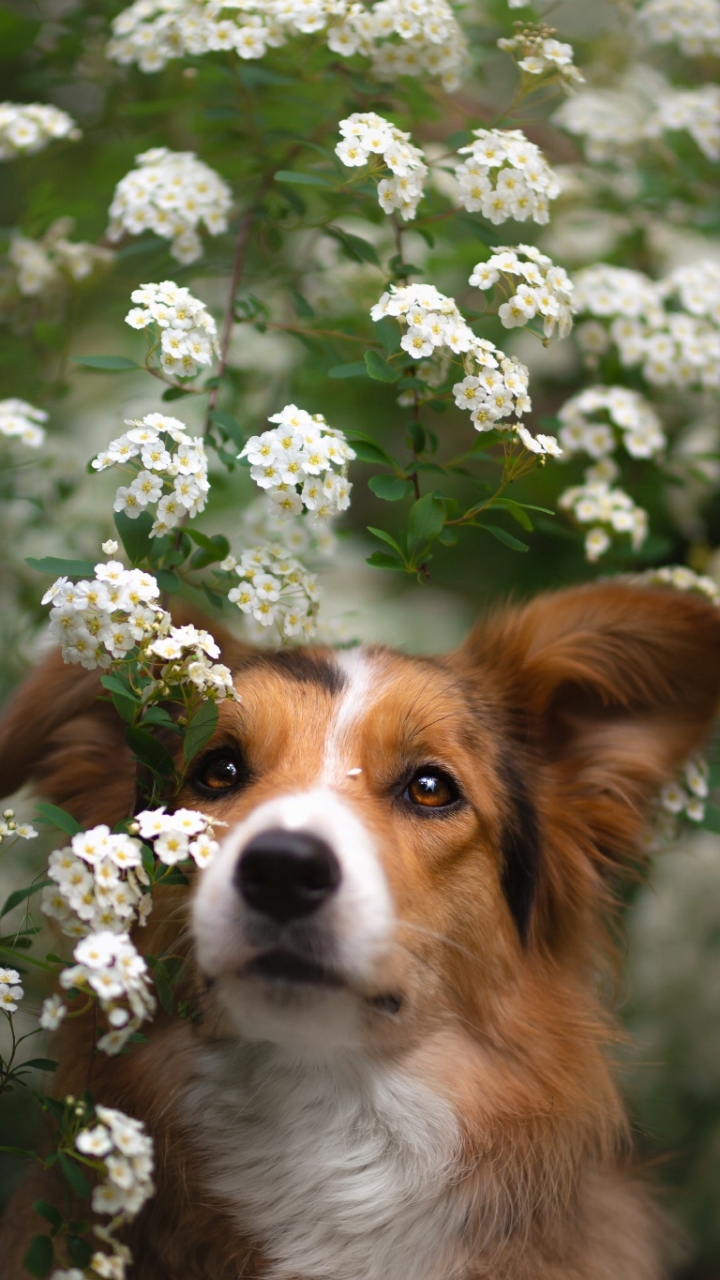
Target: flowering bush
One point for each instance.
(308, 236)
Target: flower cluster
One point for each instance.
(506, 176)
(10, 990)
(295, 463)
(102, 620)
(640, 107)
(178, 323)
(692, 24)
(123, 1151)
(609, 511)
(680, 578)
(275, 590)
(688, 799)
(494, 386)
(109, 967)
(640, 429)
(400, 37)
(20, 420)
(44, 265)
(171, 193)
(365, 134)
(536, 287)
(100, 890)
(672, 347)
(27, 127)
(542, 55)
(698, 112)
(11, 829)
(170, 470)
(262, 523)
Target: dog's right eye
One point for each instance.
(219, 772)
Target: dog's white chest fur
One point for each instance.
(341, 1171)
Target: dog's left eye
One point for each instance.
(218, 772)
(431, 788)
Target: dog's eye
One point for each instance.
(431, 788)
(219, 772)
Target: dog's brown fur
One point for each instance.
(578, 706)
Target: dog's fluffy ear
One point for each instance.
(56, 734)
(605, 690)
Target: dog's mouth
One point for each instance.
(283, 966)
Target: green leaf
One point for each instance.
(20, 895)
(158, 715)
(357, 369)
(302, 306)
(134, 534)
(300, 179)
(150, 752)
(516, 511)
(200, 729)
(59, 818)
(48, 1212)
(372, 453)
(711, 821)
(230, 426)
(42, 1064)
(114, 685)
(108, 364)
(357, 249)
(503, 536)
(56, 566)
(390, 488)
(449, 537)
(176, 393)
(383, 560)
(380, 369)
(74, 1175)
(40, 1256)
(425, 521)
(385, 537)
(81, 1251)
(388, 331)
(167, 580)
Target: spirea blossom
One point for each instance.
(20, 421)
(27, 127)
(694, 25)
(698, 112)
(435, 334)
(536, 286)
(593, 420)
(400, 37)
(42, 266)
(10, 990)
(104, 618)
(171, 193)
(275, 590)
(169, 469)
(506, 176)
(680, 578)
(302, 464)
(180, 323)
(365, 136)
(11, 829)
(542, 55)
(109, 965)
(686, 796)
(649, 322)
(609, 511)
(122, 1151)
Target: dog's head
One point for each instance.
(410, 842)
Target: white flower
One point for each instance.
(505, 176)
(367, 134)
(52, 1013)
(27, 127)
(639, 426)
(19, 420)
(171, 193)
(542, 55)
(537, 286)
(692, 24)
(9, 995)
(609, 510)
(186, 331)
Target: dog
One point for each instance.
(400, 1064)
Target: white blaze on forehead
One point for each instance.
(364, 681)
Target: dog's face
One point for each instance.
(365, 865)
(412, 844)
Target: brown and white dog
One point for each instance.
(401, 1069)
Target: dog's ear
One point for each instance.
(56, 734)
(604, 691)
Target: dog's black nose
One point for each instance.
(287, 874)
